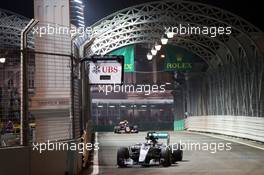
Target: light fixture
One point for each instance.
(149, 56)
(81, 17)
(81, 21)
(154, 52)
(158, 47)
(80, 12)
(99, 106)
(111, 106)
(170, 34)
(80, 2)
(164, 40)
(162, 56)
(143, 106)
(2, 60)
(122, 106)
(80, 8)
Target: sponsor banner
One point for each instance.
(105, 72)
(178, 59)
(128, 53)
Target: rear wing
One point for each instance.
(160, 135)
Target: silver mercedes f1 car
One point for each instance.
(152, 152)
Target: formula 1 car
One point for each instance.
(150, 153)
(123, 127)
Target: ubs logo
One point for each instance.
(105, 69)
(96, 69)
(110, 69)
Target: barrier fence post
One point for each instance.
(24, 111)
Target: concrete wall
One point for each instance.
(15, 161)
(239, 126)
(25, 161)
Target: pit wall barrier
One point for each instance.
(142, 126)
(25, 161)
(239, 126)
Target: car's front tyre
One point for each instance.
(122, 155)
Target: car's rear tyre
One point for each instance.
(122, 155)
(180, 156)
(177, 153)
(165, 157)
(127, 129)
(116, 129)
(135, 128)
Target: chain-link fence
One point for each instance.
(51, 102)
(10, 97)
(55, 101)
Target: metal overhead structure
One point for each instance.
(11, 25)
(229, 87)
(145, 24)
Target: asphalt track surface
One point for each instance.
(240, 160)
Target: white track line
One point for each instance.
(95, 158)
(231, 140)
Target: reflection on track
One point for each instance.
(240, 160)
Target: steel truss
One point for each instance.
(234, 81)
(145, 23)
(11, 25)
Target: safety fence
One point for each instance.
(40, 102)
(50, 101)
(10, 93)
(240, 126)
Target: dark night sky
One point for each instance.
(96, 9)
